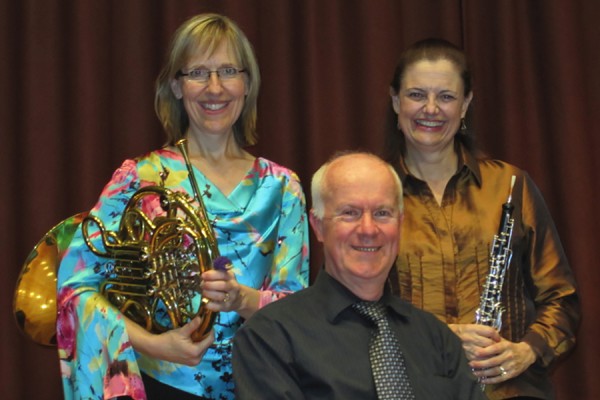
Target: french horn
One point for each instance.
(157, 263)
(34, 302)
(155, 268)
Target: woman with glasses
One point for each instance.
(454, 198)
(206, 94)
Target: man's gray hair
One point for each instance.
(319, 189)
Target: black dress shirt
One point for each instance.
(313, 345)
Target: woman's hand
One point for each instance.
(493, 358)
(175, 345)
(475, 338)
(226, 294)
(502, 361)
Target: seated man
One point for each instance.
(319, 343)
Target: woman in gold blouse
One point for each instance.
(453, 198)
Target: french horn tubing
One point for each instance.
(155, 268)
(157, 263)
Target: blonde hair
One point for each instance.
(206, 32)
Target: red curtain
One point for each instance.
(76, 79)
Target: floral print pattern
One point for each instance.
(261, 226)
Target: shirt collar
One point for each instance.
(337, 298)
(466, 162)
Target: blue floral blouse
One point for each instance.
(261, 227)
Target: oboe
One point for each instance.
(490, 308)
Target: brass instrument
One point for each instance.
(34, 303)
(156, 264)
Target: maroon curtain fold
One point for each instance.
(77, 92)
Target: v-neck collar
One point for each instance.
(214, 199)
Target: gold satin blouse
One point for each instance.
(443, 262)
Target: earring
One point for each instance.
(463, 125)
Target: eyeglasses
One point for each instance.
(354, 216)
(202, 75)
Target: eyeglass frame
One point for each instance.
(217, 71)
(350, 216)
